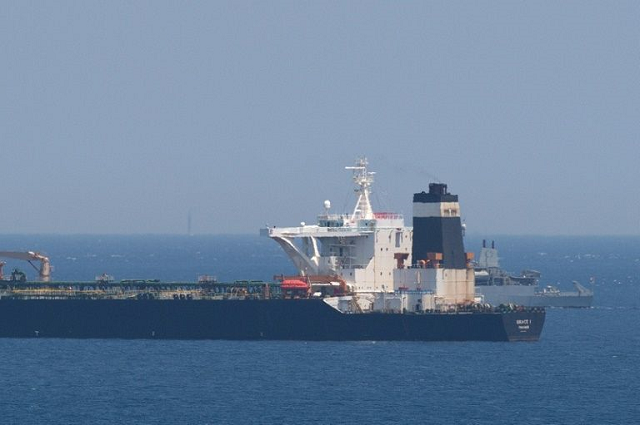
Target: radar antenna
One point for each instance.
(363, 179)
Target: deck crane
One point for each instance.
(44, 272)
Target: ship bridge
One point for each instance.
(361, 247)
(330, 225)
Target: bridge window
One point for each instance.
(398, 239)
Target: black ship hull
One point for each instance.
(278, 319)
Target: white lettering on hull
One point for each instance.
(524, 324)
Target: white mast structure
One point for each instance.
(364, 180)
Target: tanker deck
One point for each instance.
(242, 310)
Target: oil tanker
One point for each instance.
(361, 276)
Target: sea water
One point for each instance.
(585, 368)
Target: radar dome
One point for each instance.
(327, 204)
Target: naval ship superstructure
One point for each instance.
(497, 286)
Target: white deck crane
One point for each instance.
(44, 272)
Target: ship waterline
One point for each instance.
(284, 319)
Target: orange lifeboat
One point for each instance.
(290, 284)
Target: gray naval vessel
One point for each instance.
(497, 286)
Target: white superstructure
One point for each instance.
(362, 248)
(372, 253)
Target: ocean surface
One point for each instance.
(584, 370)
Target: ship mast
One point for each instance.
(363, 179)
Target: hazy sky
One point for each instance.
(121, 117)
